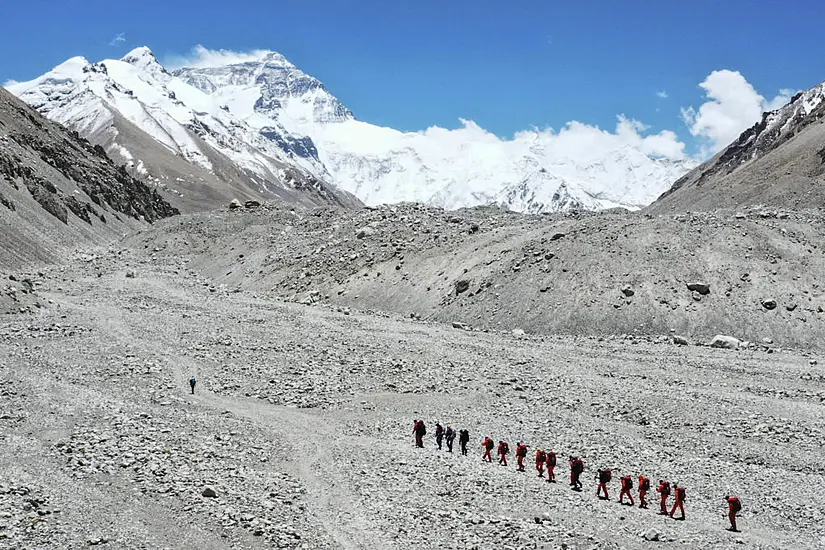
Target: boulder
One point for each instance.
(701, 288)
(518, 333)
(130, 274)
(680, 340)
(652, 535)
(364, 232)
(235, 204)
(725, 342)
(462, 286)
(209, 492)
(557, 236)
(456, 324)
(769, 304)
(252, 204)
(628, 291)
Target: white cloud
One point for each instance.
(662, 94)
(734, 105)
(782, 99)
(10, 82)
(121, 37)
(585, 143)
(200, 57)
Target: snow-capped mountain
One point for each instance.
(270, 121)
(451, 169)
(118, 102)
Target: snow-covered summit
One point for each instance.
(447, 168)
(262, 112)
(94, 99)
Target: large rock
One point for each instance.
(769, 304)
(725, 342)
(209, 492)
(680, 340)
(701, 288)
(252, 204)
(518, 333)
(462, 286)
(628, 291)
(235, 204)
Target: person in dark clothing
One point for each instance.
(192, 383)
(449, 437)
(463, 439)
(439, 435)
(604, 477)
(576, 469)
(420, 430)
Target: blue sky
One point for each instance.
(507, 66)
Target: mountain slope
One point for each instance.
(449, 169)
(779, 161)
(58, 191)
(134, 105)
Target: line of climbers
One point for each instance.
(547, 460)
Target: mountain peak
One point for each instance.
(141, 57)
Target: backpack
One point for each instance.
(664, 488)
(551, 459)
(541, 456)
(680, 494)
(488, 444)
(605, 476)
(422, 428)
(505, 448)
(737, 506)
(644, 484)
(521, 450)
(627, 482)
(578, 465)
(438, 429)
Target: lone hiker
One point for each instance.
(680, 501)
(503, 450)
(541, 458)
(463, 439)
(627, 485)
(420, 430)
(521, 454)
(439, 434)
(449, 436)
(576, 469)
(551, 466)
(664, 491)
(604, 477)
(644, 487)
(488, 445)
(192, 383)
(734, 507)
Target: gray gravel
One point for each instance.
(302, 416)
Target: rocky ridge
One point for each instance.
(751, 274)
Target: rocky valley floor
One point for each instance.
(301, 425)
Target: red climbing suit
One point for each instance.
(627, 485)
(680, 501)
(521, 454)
(551, 466)
(503, 449)
(541, 458)
(644, 487)
(734, 506)
(488, 445)
(664, 491)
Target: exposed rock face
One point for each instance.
(779, 161)
(67, 178)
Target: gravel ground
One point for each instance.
(301, 423)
